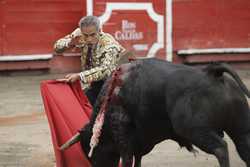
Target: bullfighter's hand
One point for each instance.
(74, 42)
(70, 78)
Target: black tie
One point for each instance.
(89, 58)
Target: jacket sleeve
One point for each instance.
(63, 44)
(108, 65)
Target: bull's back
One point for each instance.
(153, 80)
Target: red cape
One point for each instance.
(68, 110)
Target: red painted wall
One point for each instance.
(1, 29)
(31, 27)
(207, 24)
(211, 24)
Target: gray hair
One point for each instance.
(89, 21)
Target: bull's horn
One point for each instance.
(70, 142)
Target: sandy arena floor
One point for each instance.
(25, 137)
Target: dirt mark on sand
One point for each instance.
(21, 119)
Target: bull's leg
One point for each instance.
(138, 161)
(242, 143)
(122, 132)
(211, 143)
(127, 160)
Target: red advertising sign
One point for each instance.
(136, 25)
(133, 32)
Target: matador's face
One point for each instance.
(90, 34)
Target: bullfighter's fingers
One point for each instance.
(68, 76)
(62, 80)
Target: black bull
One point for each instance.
(155, 100)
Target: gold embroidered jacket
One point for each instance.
(105, 54)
